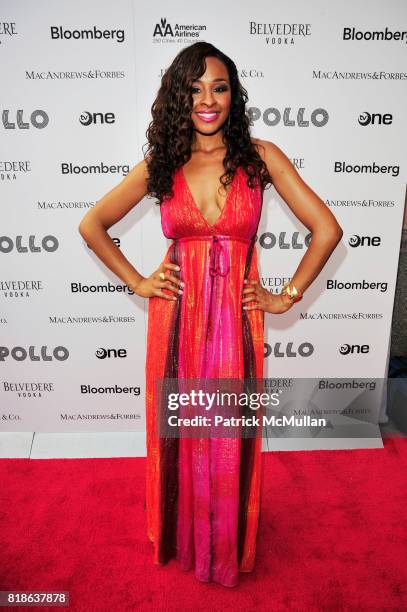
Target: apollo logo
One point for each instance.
(86, 118)
(20, 353)
(354, 349)
(375, 119)
(38, 119)
(284, 240)
(364, 241)
(48, 243)
(305, 349)
(318, 117)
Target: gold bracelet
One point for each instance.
(292, 292)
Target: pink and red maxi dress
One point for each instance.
(203, 494)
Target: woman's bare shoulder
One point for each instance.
(117, 202)
(275, 159)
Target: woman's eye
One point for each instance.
(220, 88)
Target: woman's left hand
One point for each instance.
(263, 299)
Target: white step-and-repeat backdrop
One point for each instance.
(326, 83)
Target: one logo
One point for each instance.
(87, 118)
(102, 353)
(360, 241)
(353, 349)
(375, 119)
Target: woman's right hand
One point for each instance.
(255, 297)
(154, 285)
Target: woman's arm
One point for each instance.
(312, 212)
(109, 210)
(308, 208)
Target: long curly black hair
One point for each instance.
(170, 132)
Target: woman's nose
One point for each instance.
(207, 97)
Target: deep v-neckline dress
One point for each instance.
(203, 494)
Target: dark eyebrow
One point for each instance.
(214, 80)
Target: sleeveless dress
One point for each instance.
(203, 494)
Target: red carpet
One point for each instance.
(333, 535)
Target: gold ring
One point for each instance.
(162, 275)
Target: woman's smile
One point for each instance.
(208, 116)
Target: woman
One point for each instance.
(206, 302)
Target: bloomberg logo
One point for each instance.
(100, 168)
(353, 34)
(58, 33)
(345, 168)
